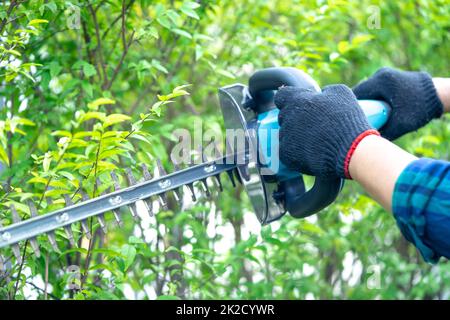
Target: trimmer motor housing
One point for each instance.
(250, 112)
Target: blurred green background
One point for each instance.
(79, 86)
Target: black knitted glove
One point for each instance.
(320, 131)
(412, 96)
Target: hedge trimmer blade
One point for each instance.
(21, 230)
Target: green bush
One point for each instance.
(85, 90)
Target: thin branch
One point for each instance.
(46, 276)
(11, 7)
(117, 19)
(99, 49)
(119, 65)
(10, 143)
(42, 290)
(51, 177)
(99, 5)
(20, 269)
(126, 45)
(87, 40)
(97, 156)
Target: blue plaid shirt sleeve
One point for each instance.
(421, 207)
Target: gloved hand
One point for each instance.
(412, 96)
(320, 131)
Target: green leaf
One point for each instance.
(164, 21)
(3, 156)
(152, 31)
(89, 70)
(115, 118)
(188, 10)
(226, 73)
(93, 115)
(182, 33)
(55, 69)
(129, 253)
(35, 22)
(157, 64)
(99, 102)
(360, 39)
(47, 161)
(135, 240)
(173, 16)
(61, 133)
(343, 46)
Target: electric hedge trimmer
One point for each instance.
(272, 189)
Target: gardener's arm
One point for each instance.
(442, 86)
(327, 135)
(417, 191)
(376, 164)
(380, 155)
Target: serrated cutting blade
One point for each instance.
(64, 218)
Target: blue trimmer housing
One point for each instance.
(272, 188)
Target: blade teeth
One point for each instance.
(16, 251)
(51, 234)
(191, 189)
(238, 177)
(116, 214)
(70, 236)
(177, 194)
(230, 173)
(163, 201)
(130, 177)
(115, 180)
(15, 216)
(206, 188)
(204, 181)
(101, 217)
(35, 247)
(52, 239)
(68, 228)
(161, 173)
(67, 200)
(147, 204)
(101, 221)
(33, 242)
(218, 154)
(32, 207)
(231, 176)
(86, 230)
(219, 182)
(147, 176)
(2, 264)
(15, 248)
(84, 225)
(133, 210)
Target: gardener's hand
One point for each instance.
(320, 131)
(412, 96)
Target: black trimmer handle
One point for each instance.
(297, 202)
